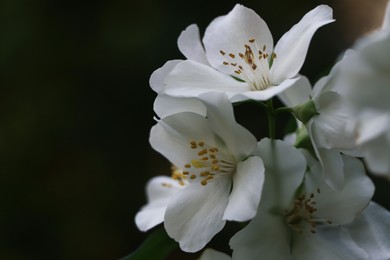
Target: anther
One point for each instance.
(225, 63)
(187, 165)
(231, 55)
(215, 167)
(252, 40)
(193, 176)
(222, 52)
(201, 144)
(203, 182)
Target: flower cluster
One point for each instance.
(304, 197)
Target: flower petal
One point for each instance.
(237, 138)
(211, 254)
(377, 154)
(285, 167)
(247, 187)
(341, 206)
(231, 32)
(165, 106)
(264, 94)
(265, 237)
(332, 122)
(189, 79)
(172, 135)
(157, 78)
(292, 48)
(330, 159)
(159, 191)
(371, 230)
(298, 94)
(194, 215)
(327, 243)
(190, 45)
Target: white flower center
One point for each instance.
(209, 162)
(252, 66)
(301, 214)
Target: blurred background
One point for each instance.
(76, 110)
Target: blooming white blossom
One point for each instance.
(225, 180)
(365, 78)
(240, 46)
(306, 220)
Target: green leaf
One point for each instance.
(157, 247)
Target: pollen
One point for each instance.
(254, 64)
(301, 216)
(208, 163)
(177, 175)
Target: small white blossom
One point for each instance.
(305, 221)
(225, 180)
(240, 46)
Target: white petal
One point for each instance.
(194, 215)
(189, 79)
(159, 191)
(190, 45)
(341, 206)
(285, 167)
(157, 78)
(165, 106)
(239, 141)
(332, 122)
(372, 124)
(264, 94)
(298, 94)
(330, 159)
(371, 230)
(327, 243)
(377, 154)
(291, 49)
(211, 254)
(265, 237)
(247, 187)
(171, 136)
(229, 33)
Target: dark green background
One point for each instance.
(76, 110)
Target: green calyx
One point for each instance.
(305, 111)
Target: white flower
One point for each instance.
(225, 180)
(303, 221)
(365, 78)
(240, 46)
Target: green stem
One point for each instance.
(271, 119)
